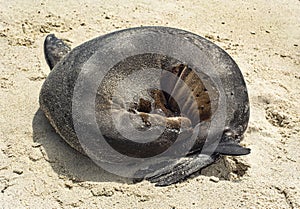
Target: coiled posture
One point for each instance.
(161, 103)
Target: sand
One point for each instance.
(39, 170)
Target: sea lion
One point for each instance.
(156, 93)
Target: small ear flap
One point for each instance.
(231, 148)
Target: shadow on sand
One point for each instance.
(65, 160)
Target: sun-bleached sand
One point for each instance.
(39, 170)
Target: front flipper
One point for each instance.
(177, 170)
(231, 148)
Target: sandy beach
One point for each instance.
(39, 170)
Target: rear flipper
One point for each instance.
(54, 49)
(174, 171)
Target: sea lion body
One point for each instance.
(143, 82)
